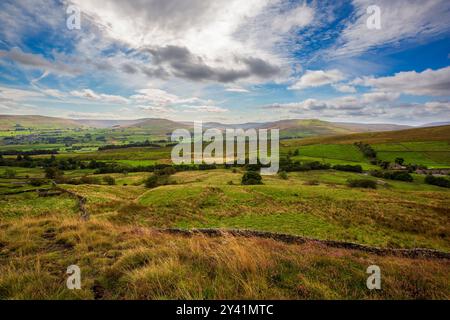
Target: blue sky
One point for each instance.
(227, 60)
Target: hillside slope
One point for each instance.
(441, 133)
(10, 122)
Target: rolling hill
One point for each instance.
(10, 122)
(314, 127)
(295, 128)
(158, 126)
(441, 133)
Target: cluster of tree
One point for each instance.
(160, 177)
(290, 166)
(103, 167)
(393, 175)
(348, 167)
(129, 145)
(251, 178)
(362, 183)
(366, 150)
(26, 161)
(437, 181)
(28, 153)
(57, 175)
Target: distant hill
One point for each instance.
(159, 126)
(436, 124)
(295, 128)
(12, 122)
(107, 123)
(441, 133)
(292, 128)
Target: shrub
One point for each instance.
(152, 181)
(109, 180)
(362, 183)
(155, 181)
(366, 149)
(437, 181)
(393, 175)
(89, 180)
(348, 167)
(251, 178)
(168, 171)
(53, 173)
(312, 183)
(283, 175)
(37, 182)
(10, 173)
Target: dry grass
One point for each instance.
(119, 262)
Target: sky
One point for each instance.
(230, 61)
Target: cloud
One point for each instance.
(101, 97)
(438, 106)
(219, 41)
(401, 20)
(37, 61)
(344, 88)
(345, 103)
(237, 90)
(184, 64)
(13, 94)
(295, 18)
(317, 78)
(155, 109)
(374, 97)
(429, 82)
(160, 97)
(209, 109)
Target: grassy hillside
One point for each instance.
(441, 133)
(37, 122)
(159, 126)
(425, 146)
(128, 262)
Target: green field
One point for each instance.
(124, 248)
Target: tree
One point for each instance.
(109, 180)
(283, 175)
(152, 181)
(52, 173)
(399, 161)
(251, 178)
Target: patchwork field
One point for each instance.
(126, 251)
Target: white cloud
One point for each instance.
(401, 20)
(374, 97)
(14, 94)
(295, 18)
(344, 88)
(438, 106)
(101, 97)
(37, 61)
(161, 97)
(209, 109)
(237, 89)
(429, 82)
(317, 78)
